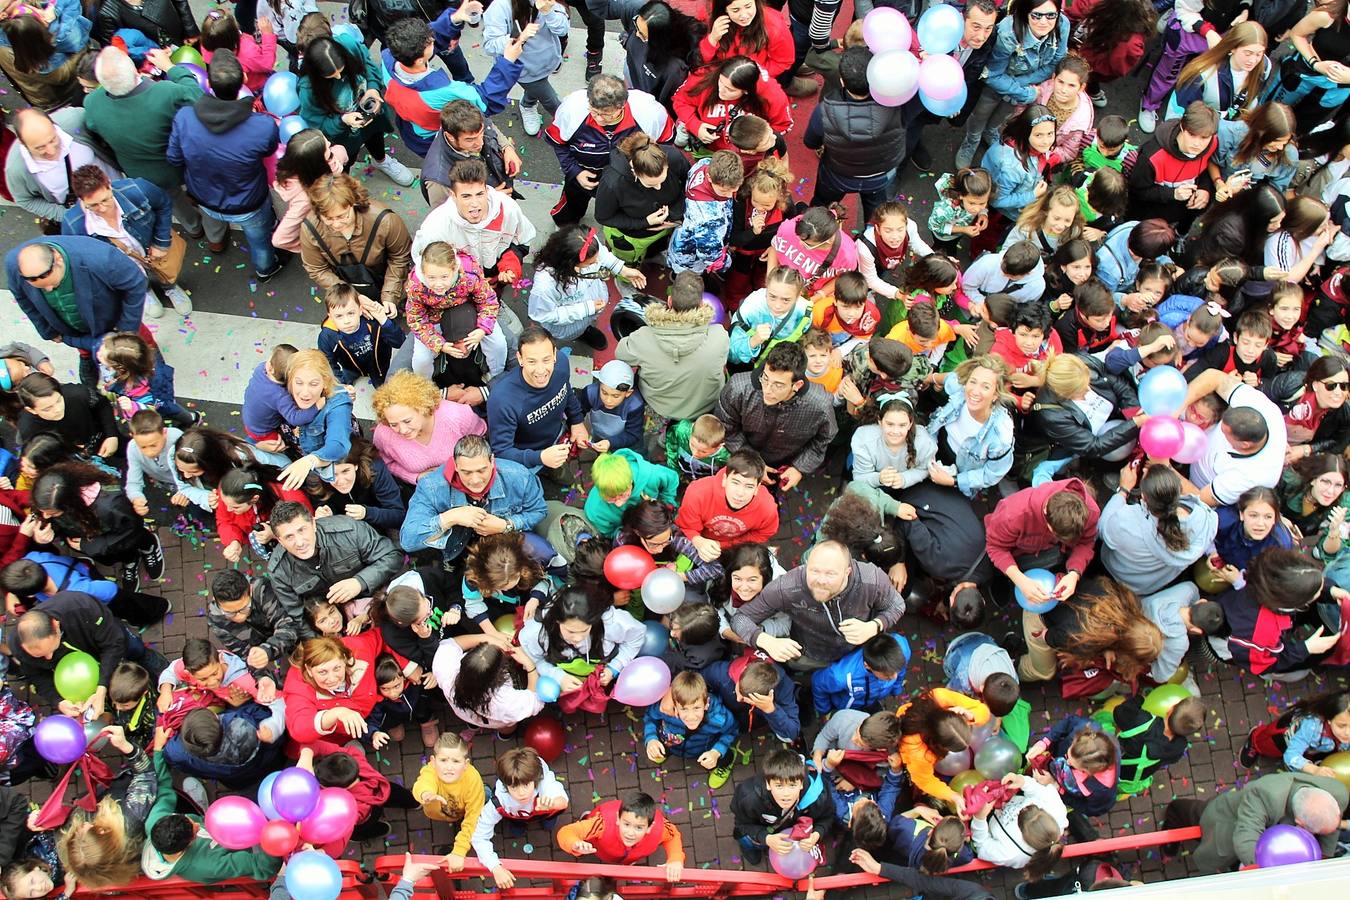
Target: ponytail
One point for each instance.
(1043, 834)
(1161, 491)
(646, 156)
(944, 843)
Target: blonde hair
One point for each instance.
(1033, 217)
(406, 388)
(340, 191)
(450, 740)
(993, 363)
(98, 850)
(439, 253)
(688, 688)
(316, 362)
(1067, 375)
(709, 429)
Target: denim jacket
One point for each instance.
(1014, 68)
(515, 495)
(147, 213)
(329, 436)
(982, 461)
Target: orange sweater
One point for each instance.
(592, 830)
(919, 759)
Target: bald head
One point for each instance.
(827, 570)
(40, 266)
(38, 134)
(1316, 810)
(39, 633)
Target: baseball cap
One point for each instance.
(616, 374)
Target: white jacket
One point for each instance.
(505, 224)
(501, 802)
(998, 839)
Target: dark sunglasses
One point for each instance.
(1336, 385)
(42, 275)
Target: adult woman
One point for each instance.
(1316, 81)
(641, 196)
(1315, 413)
(204, 455)
(327, 439)
(1049, 221)
(1237, 228)
(749, 28)
(330, 688)
(1102, 626)
(1314, 498)
(1304, 234)
(1079, 412)
(503, 21)
(1194, 26)
(1072, 264)
(579, 636)
(571, 284)
(1261, 145)
(746, 569)
(1112, 37)
(662, 46)
(309, 156)
(1064, 96)
(1016, 162)
(712, 97)
(355, 239)
(1246, 530)
(1028, 44)
(417, 430)
(165, 22)
(974, 430)
(85, 508)
(362, 488)
(1149, 540)
(1227, 77)
(340, 95)
(895, 452)
(39, 49)
(487, 682)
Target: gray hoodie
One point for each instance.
(1134, 552)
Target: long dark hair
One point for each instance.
(1017, 130)
(739, 557)
(1282, 580)
(59, 489)
(1108, 25)
(323, 58)
(561, 253)
(213, 451)
(671, 35)
(1020, 13)
(1325, 706)
(754, 37)
(483, 672)
(941, 730)
(305, 159)
(523, 12)
(31, 41)
(1056, 281)
(575, 603)
(645, 519)
(364, 456)
(1160, 491)
(255, 484)
(743, 73)
(853, 522)
(1254, 207)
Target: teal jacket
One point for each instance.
(650, 482)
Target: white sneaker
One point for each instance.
(182, 303)
(1148, 120)
(153, 308)
(681, 136)
(531, 119)
(397, 171)
(196, 792)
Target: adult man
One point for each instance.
(776, 412)
(534, 416)
(134, 117)
(1233, 821)
(75, 290)
(1170, 180)
(221, 144)
(473, 494)
(729, 508)
(467, 134)
(680, 355)
(334, 558)
(972, 53)
(484, 222)
(588, 126)
(1246, 449)
(836, 603)
(71, 622)
(40, 162)
(1040, 526)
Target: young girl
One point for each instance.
(571, 284)
(746, 568)
(650, 525)
(1305, 233)
(1016, 162)
(1085, 764)
(662, 46)
(1303, 736)
(936, 723)
(500, 575)
(1064, 96)
(581, 644)
(890, 242)
(759, 209)
(1198, 332)
(962, 207)
(362, 488)
(308, 157)
(641, 197)
(749, 28)
(246, 497)
(1028, 830)
(505, 20)
(136, 377)
(203, 456)
(1112, 37)
(409, 625)
(287, 16)
(920, 837)
(711, 98)
(257, 56)
(932, 279)
(894, 453)
(1052, 219)
(1286, 319)
(1246, 530)
(816, 247)
(328, 439)
(777, 312)
(1227, 76)
(1071, 265)
(1259, 147)
(452, 311)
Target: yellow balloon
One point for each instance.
(963, 780)
(1340, 762)
(1112, 703)
(506, 623)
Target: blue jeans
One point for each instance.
(257, 226)
(801, 45)
(831, 188)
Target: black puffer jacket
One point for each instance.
(1059, 424)
(862, 137)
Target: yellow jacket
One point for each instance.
(461, 801)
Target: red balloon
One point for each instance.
(545, 735)
(279, 838)
(627, 567)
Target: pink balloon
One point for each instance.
(1162, 437)
(941, 77)
(796, 863)
(885, 28)
(333, 818)
(643, 681)
(235, 823)
(1193, 443)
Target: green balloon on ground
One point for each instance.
(1162, 698)
(186, 54)
(76, 676)
(968, 778)
(998, 757)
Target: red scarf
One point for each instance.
(452, 477)
(890, 257)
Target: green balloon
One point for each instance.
(968, 778)
(76, 676)
(1162, 698)
(187, 54)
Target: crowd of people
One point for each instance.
(986, 379)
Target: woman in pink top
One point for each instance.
(418, 430)
(309, 156)
(257, 56)
(487, 682)
(816, 247)
(1072, 108)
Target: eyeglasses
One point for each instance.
(1330, 481)
(1336, 385)
(770, 385)
(241, 612)
(1044, 16)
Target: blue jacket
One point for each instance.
(542, 53)
(221, 145)
(147, 213)
(1309, 736)
(242, 758)
(109, 291)
(784, 721)
(1016, 180)
(982, 461)
(846, 683)
(417, 102)
(906, 838)
(329, 435)
(72, 575)
(1280, 172)
(622, 427)
(1097, 793)
(1116, 268)
(1016, 68)
(366, 351)
(716, 732)
(515, 495)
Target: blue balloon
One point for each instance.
(311, 875)
(945, 108)
(1162, 391)
(1046, 579)
(941, 28)
(540, 550)
(280, 93)
(265, 797)
(290, 127)
(548, 689)
(350, 30)
(657, 640)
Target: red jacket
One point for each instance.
(778, 52)
(706, 108)
(304, 702)
(704, 513)
(1121, 59)
(235, 526)
(13, 544)
(1017, 527)
(601, 830)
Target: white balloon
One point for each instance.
(893, 74)
(662, 591)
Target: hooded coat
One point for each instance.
(650, 481)
(680, 359)
(221, 145)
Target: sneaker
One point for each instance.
(1148, 120)
(129, 579)
(196, 792)
(595, 339)
(965, 154)
(1098, 99)
(182, 303)
(530, 119)
(921, 159)
(719, 776)
(1020, 890)
(396, 171)
(370, 831)
(283, 257)
(153, 308)
(753, 856)
(154, 559)
(802, 86)
(593, 64)
(1247, 756)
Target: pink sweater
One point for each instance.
(286, 236)
(257, 57)
(1077, 132)
(409, 459)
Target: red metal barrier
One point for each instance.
(356, 885)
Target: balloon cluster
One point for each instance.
(895, 74)
(989, 757)
(1162, 394)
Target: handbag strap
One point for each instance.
(370, 238)
(70, 190)
(323, 246)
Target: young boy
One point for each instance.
(925, 333)
(771, 803)
(881, 366)
(268, 406)
(616, 410)
(978, 667)
(824, 365)
(401, 701)
(40, 574)
(852, 730)
(849, 317)
(230, 747)
(690, 722)
(1247, 354)
(863, 678)
(451, 790)
(1149, 743)
(1018, 272)
(217, 673)
(752, 140)
(699, 242)
(1026, 345)
(358, 337)
(750, 686)
(1090, 327)
(729, 508)
(526, 790)
(694, 640)
(347, 767)
(151, 453)
(247, 621)
(130, 704)
(625, 832)
(1110, 148)
(623, 478)
(696, 448)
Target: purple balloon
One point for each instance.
(796, 863)
(295, 793)
(643, 681)
(60, 739)
(200, 74)
(941, 77)
(1285, 845)
(1193, 443)
(235, 823)
(1162, 437)
(953, 763)
(719, 311)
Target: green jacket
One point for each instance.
(150, 106)
(650, 482)
(1233, 821)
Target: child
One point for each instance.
(244, 501)
(925, 333)
(1198, 333)
(135, 376)
(1085, 764)
(1026, 345)
(689, 722)
(130, 703)
(1149, 743)
(773, 801)
(871, 739)
(962, 209)
(401, 702)
(889, 244)
(452, 311)
(1090, 327)
(324, 618)
(500, 575)
(1304, 735)
(1286, 317)
(850, 317)
(863, 678)
(760, 207)
(351, 342)
(753, 685)
(526, 790)
(230, 747)
(247, 620)
(920, 837)
(817, 248)
(268, 406)
(777, 312)
(151, 453)
(1103, 199)
(451, 790)
(976, 666)
(699, 242)
(257, 56)
(216, 673)
(1247, 354)
(616, 410)
(694, 639)
(19, 757)
(882, 366)
(1152, 284)
(936, 723)
(1110, 148)
(1019, 272)
(824, 365)
(622, 479)
(697, 448)
(409, 624)
(39, 574)
(347, 768)
(625, 832)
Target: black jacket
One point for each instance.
(345, 548)
(86, 625)
(13, 829)
(441, 156)
(759, 815)
(624, 203)
(120, 531)
(947, 538)
(163, 21)
(88, 421)
(861, 137)
(1287, 389)
(385, 507)
(1063, 427)
(1151, 742)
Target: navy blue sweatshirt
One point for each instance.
(524, 420)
